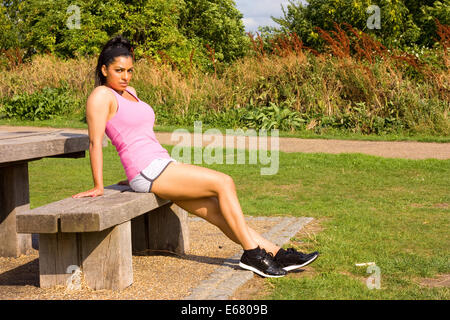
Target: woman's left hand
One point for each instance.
(95, 192)
(123, 183)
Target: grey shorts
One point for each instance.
(144, 180)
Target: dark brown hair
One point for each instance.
(119, 46)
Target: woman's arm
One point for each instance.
(97, 112)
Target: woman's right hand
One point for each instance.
(95, 192)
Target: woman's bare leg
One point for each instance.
(209, 209)
(181, 182)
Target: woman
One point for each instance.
(113, 108)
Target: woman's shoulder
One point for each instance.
(132, 90)
(102, 91)
(100, 97)
(101, 94)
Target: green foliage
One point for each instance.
(9, 38)
(259, 118)
(403, 22)
(44, 26)
(273, 117)
(153, 27)
(216, 23)
(40, 105)
(8, 31)
(424, 14)
(360, 118)
(174, 31)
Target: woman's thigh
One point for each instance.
(181, 181)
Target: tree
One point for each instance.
(171, 29)
(9, 34)
(217, 23)
(424, 14)
(403, 23)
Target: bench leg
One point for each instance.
(57, 253)
(104, 258)
(14, 198)
(165, 228)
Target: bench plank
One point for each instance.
(44, 219)
(106, 211)
(117, 205)
(38, 145)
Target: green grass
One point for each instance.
(64, 122)
(391, 211)
(59, 122)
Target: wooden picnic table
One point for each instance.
(16, 150)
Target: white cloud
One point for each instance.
(258, 12)
(252, 24)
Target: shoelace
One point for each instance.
(293, 251)
(265, 254)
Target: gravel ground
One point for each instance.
(156, 277)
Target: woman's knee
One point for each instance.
(225, 182)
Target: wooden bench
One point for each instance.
(98, 235)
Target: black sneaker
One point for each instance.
(262, 263)
(291, 259)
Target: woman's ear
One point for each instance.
(104, 71)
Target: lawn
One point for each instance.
(390, 211)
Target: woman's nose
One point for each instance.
(126, 75)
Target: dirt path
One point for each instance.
(388, 149)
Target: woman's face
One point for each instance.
(118, 74)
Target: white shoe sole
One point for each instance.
(297, 266)
(247, 267)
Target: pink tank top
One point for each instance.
(131, 132)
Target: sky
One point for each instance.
(257, 12)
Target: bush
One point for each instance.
(40, 105)
(402, 23)
(273, 117)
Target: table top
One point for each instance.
(29, 145)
